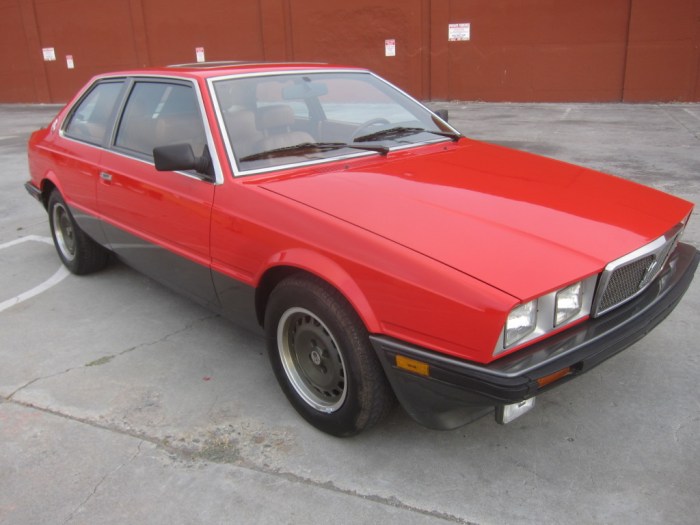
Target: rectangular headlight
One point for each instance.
(549, 312)
(568, 303)
(521, 321)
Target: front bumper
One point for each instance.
(455, 392)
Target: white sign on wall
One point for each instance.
(49, 54)
(390, 48)
(459, 32)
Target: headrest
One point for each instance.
(237, 93)
(275, 116)
(241, 125)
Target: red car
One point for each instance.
(383, 253)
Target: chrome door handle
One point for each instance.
(105, 176)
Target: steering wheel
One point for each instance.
(362, 127)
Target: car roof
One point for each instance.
(224, 68)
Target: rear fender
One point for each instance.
(48, 183)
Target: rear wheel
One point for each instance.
(78, 252)
(322, 358)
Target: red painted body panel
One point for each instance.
(495, 214)
(395, 290)
(173, 212)
(432, 245)
(73, 166)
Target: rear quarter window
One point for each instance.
(91, 117)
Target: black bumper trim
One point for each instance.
(33, 191)
(457, 389)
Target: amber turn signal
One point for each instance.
(417, 367)
(551, 378)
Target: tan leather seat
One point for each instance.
(180, 128)
(276, 124)
(242, 131)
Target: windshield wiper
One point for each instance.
(401, 130)
(311, 146)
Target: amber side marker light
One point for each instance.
(551, 378)
(411, 365)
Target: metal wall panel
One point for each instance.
(356, 33)
(536, 50)
(663, 60)
(225, 29)
(22, 77)
(97, 36)
(519, 50)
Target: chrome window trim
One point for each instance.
(129, 81)
(122, 153)
(78, 141)
(238, 172)
(78, 100)
(654, 248)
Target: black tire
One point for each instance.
(322, 358)
(78, 252)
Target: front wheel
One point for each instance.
(321, 355)
(78, 252)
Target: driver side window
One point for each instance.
(160, 114)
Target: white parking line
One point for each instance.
(36, 238)
(691, 113)
(56, 278)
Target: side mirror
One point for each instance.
(443, 114)
(180, 157)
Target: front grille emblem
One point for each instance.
(626, 277)
(648, 275)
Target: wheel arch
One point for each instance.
(48, 184)
(317, 266)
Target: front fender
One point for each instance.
(328, 270)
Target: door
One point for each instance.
(158, 221)
(79, 151)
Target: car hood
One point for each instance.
(519, 222)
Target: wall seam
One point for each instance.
(30, 26)
(138, 26)
(623, 86)
(289, 51)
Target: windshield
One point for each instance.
(285, 120)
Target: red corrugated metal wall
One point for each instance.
(663, 54)
(536, 50)
(519, 50)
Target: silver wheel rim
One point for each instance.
(312, 360)
(64, 232)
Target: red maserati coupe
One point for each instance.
(384, 254)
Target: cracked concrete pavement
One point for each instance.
(121, 402)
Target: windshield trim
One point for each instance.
(233, 162)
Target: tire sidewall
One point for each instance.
(346, 420)
(89, 256)
(57, 200)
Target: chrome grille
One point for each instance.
(625, 281)
(628, 276)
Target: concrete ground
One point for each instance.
(121, 402)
